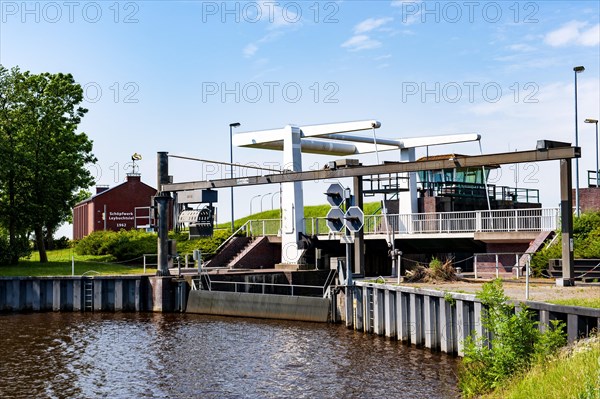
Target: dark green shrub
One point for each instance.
(123, 245)
(132, 244)
(97, 243)
(586, 237)
(515, 343)
(208, 245)
(539, 260)
(585, 223)
(18, 250)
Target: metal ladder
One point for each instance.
(88, 295)
(371, 301)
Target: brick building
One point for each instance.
(112, 208)
(589, 199)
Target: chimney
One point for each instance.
(133, 177)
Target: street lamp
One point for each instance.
(261, 200)
(252, 199)
(266, 195)
(597, 168)
(273, 197)
(231, 126)
(577, 69)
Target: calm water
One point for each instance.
(186, 356)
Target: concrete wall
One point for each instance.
(438, 320)
(99, 293)
(259, 306)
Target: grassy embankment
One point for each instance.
(59, 264)
(310, 211)
(573, 373)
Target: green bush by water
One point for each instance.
(515, 343)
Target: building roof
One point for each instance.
(93, 197)
(445, 157)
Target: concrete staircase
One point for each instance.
(259, 253)
(585, 269)
(228, 252)
(535, 246)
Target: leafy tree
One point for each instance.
(42, 157)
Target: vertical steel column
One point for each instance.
(162, 203)
(566, 216)
(359, 248)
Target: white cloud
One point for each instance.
(278, 20)
(590, 37)
(361, 42)
(370, 24)
(521, 47)
(250, 50)
(574, 32)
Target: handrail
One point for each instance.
(210, 283)
(328, 282)
(234, 234)
(483, 220)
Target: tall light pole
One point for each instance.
(231, 126)
(252, 199)
(272, 197)
(577, 69)
(597, 168)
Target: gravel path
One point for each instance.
(541, 290)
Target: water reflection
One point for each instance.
(156, 355)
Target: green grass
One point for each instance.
(310, 211)
(59, 264)
(583, 302)
(576, 376)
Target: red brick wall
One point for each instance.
(589, 199)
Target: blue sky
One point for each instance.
(171, 76)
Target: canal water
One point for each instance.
(194, 356)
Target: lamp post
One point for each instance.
(597, 168)
(252, 199)
(261, 200)
(577, 69)
(231, 126)
(272, 198)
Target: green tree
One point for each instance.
(43, 158)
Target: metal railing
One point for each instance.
(263, 227)
(516, 261)
(246, 287)
(499, 220)
(501, 260)
(147, 263)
